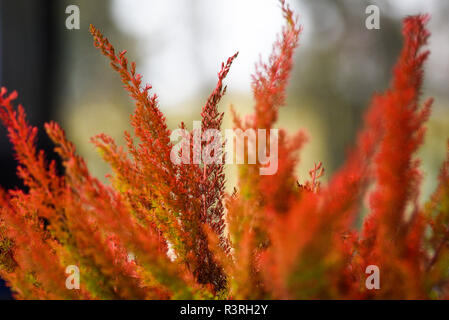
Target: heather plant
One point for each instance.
(272, 238)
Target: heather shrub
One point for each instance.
(272, 238)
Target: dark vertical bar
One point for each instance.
(28, 60)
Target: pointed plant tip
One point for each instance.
(422, 19)
(425, 17)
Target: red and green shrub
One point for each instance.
(272, 238)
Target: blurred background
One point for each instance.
(179, 46)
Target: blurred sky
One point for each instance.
(183, 42)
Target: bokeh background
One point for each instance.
(179, 46)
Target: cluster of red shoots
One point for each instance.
(272, 238)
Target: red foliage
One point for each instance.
(272, 238)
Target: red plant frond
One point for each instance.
(171, 193)
(325, 220)
(250, 212)
(396, 173)
(57, 224)
(270, 79)
(164, 230)
(213, 177)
